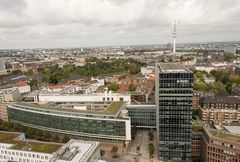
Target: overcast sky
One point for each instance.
(79, 23)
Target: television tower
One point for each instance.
(174, 36)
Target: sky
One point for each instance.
(84, 23)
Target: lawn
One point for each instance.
(197, 128)
(225, 136)
(37, 146)
(7, 137)
(25, 145)
(111, 109)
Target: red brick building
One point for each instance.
(220, 146)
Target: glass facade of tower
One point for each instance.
(174, 114)
(142, 116)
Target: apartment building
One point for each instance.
(219, 109)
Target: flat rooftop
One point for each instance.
(76, 150)
(25, 145)
(40, 93)
(224, 135)
(111, 109)
(8, 90)
(233, 129)
(173, 68)
(221, 100)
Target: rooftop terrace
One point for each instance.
(197, 128)
(224, 135)
(111, 109)
(36, 146)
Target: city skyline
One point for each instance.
(51, 24)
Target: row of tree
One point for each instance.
(150, 145)
(151, 150)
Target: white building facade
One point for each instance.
(9, 154)
(96, 97)
(80, 151)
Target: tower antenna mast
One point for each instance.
(174, 36)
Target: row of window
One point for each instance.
(22, 154)
(176, 75)
(7, 158)
(175, 91)
(84, 125)
(175, 85)
(225, 144)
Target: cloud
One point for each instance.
(12, 5)
(56, 23)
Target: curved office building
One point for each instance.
(103, 123)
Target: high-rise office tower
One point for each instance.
(173, 86)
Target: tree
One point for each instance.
(30, 132)
(218, 85)
(53, 79)
(229, 57)
(131, 88)
(200, 86)
(56, 138)
(114, 151)
(102, 152)
(236, 79)
(229, 87)
(46, 79)
(121, 77)
(33, 83)
(151, 150)
(39, 133)
(10, 125)
(16, 72)
(40, 70)
(1, 122)
(197, 160)
(225, 79)
(194, 113)
(47, 135)
(219, 74)
(113, 87)
(134, 69)
(23, 128)
(65, 139)
(134, 131)
(199, 74)
(5, 125)
(150, 135)
(29, 72)
(16, 127)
